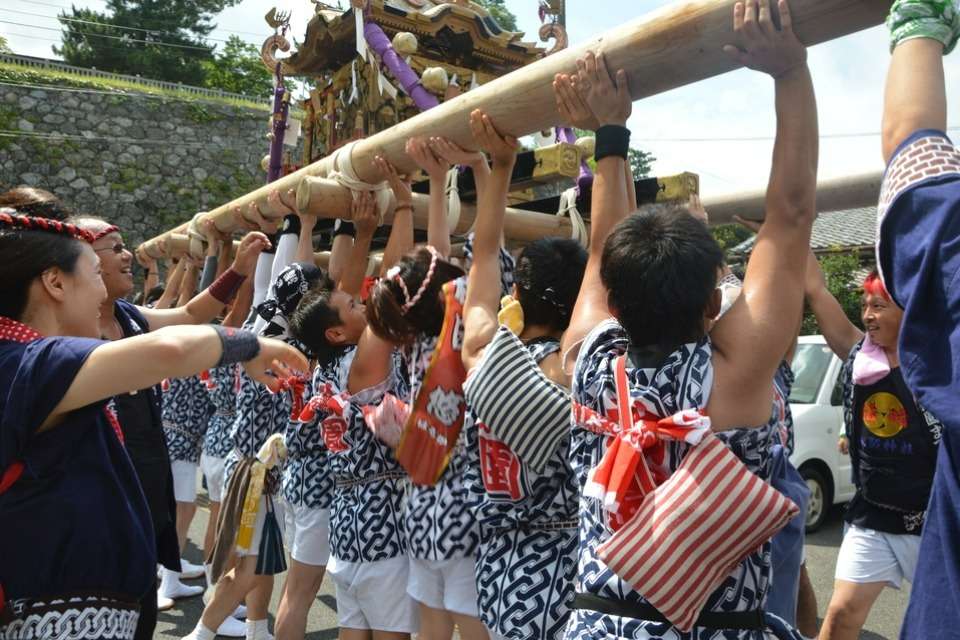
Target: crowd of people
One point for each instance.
(565, 442)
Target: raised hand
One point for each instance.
(752, 225)
(252, 245)
(307, 220)
(276, 361)
(766, 48)
(452, 154)
(502, 149)
(420, 152)
(573, 110)
(144, 260)
(253, 215)
(608, 99)
(402, 192)
(364, 213)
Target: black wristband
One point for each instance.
(612, 140)
(291, 224)
(344, 228)
(238, 345)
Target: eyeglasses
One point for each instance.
(117, 248)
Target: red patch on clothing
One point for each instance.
(333, 429)
(499, 466)
(14, 331)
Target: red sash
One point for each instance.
(436, 417)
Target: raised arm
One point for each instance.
(151, 271)
(172, 288)
(454, 155)
(483, 286)
(174, 352)
(188, 284)
(241, 305)
(364, 209)
(749, 340)
(205, 306)
(609, 102)
(400, 241)
(840, 333)
(308, 223)
(915, 97)
(438, 228)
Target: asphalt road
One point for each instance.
(883, 623)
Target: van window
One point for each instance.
(810, 365)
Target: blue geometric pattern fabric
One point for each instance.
(186, 414)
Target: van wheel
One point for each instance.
(821, 497)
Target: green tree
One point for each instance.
(239, 69)
(161, 39)
(641, 162)
(4, 46)
(498, 9)
(729, 235)
(840, 272)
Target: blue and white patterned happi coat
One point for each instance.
(366, 519)
(684, 381)
(223, 395)
(307, 475)
(260, 414)
(186, 414)
(440, 525)
(782, 385)
(524, 574)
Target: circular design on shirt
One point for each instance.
(884, 415)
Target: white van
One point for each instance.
(817, 406)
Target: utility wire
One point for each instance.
(64, 8)
(99, 24)
(122, 38)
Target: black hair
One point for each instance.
(30, 201)
(311, 319)
(385, 314)
(548, 276)
(24, 255)
(660, 268)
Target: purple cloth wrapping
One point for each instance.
(399, 69)
(280, 111)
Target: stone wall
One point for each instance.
(143, 162)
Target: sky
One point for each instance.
(720, 128)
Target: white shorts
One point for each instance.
(867, 555)
(258, 526)
(311, 535)
(448, 585)
(184, 481)
(212, 469)
(373, 595)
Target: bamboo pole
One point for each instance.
(676, 45)
(327, 198)
(848, 192)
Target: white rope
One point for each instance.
(568, 207)
(355, 90)
(452, 191)
(344, 174)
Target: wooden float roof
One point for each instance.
(464, 34)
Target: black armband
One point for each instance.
(291, 225)
(238, 345)
(612, 140)
(344, 228)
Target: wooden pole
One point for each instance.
(329, 199)
(837, 194)
(676, 45)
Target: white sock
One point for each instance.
(200, 632)
(257, 629)
(167, 579)
(208, 572)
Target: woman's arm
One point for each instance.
(188, 284)
(308, 223)
(483, 286)
(438, 228)
(172, 289)
(151, 271)
(364, 210)
(174, 352)
(400, 241)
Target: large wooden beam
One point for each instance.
(676, 45)
(837, 194)
(329, 199)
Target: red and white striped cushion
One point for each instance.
(692, 531)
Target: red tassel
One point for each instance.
(165, 384)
